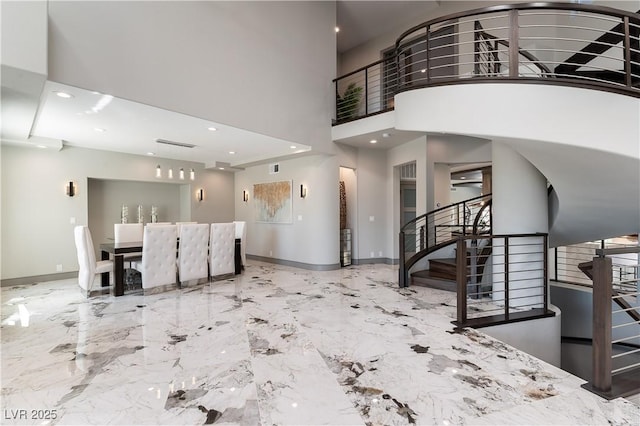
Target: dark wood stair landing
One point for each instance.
(427, 279)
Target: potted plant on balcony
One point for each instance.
(348, 104)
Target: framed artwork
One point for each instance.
(273, 202)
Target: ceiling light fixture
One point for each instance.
(213, 129)
(337, 29)
(64, 95)
(221, 168)
(385, 135)
(293, 147)
(373, 141)
(232, 152)
(41, 146)
(151, 154)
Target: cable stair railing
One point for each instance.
(440, 228)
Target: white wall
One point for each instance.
(24, 35)
(373, 216)
(462, 192)
(312, 240)
(36, 231)
(540, 338)
(266, 67)
(589, 154)
(451, 149)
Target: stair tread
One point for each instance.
(425, 279)
(447, 260)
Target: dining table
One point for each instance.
(118, 250)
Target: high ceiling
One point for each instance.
(99, 121)
(360, 21)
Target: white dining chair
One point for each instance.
(222, 249)
(180, 224)
(241, 232)
(158, 223)
(89, 268)
(158, 264)
(193, 253)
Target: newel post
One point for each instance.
(602, 351)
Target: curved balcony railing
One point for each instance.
(567, 44)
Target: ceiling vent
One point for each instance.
(180, 144)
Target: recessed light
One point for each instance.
(151, 154)
(373, 141)
(293, 147)
(232, 152)
(64, 95)
(213, 129)
(423, 70)
(221, 168)
(385, 135)
(99, 129)
(41, 146)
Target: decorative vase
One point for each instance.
(124, 214)
(154, 214)
(140, 214)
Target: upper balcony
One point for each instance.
(566, 44)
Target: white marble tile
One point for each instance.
(276, 345)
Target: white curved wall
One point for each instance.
(585, 142)
(571, 116)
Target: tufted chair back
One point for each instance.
(193, 252)
(88, 267)
(241, 232)
(158, 265)
(179, 226)
(127, 232)
(223, 240)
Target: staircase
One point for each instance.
(619, 294)
(438, 229)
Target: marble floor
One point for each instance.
(276, 345)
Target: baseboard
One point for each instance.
(37, 279)
(301, 265)
(372, 260)
(329, 267)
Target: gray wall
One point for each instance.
(312, 239)
(261, 66)
(37, 233)
(106, 198)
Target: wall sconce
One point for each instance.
(71, 188)
(200, 194)
(158, 171)
(192, 175)
(303, 191)
(245, 196)
(170, 174)
(181, 173)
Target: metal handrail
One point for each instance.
(439, 228)
(407, 70)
